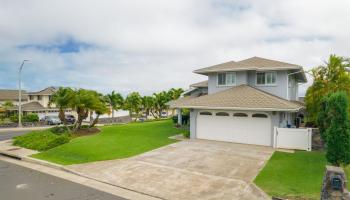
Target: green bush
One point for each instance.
(337, 132)
(186, 134)
(14, 118)
(58, 130)
(31, 117)
(41, 140)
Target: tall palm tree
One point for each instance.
(148, 105)
(100, 107)
(62, 99)
(133, 103)
(115, 101)
(160, 102)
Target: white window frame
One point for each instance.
(226, 74)
(266, 84)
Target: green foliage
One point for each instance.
(7, 105)
(330, 78)
(322, 117)
(14, 118)
(59, 130)
(115, 100)
(41, 140)
(186, 134)
(133, 103)
(337, 134)
(31, 117)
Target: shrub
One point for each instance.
(186, 134)
(31, 117)
(58, 130)
(14, 118)
(337, 133)
(322, 117)
(41, 140)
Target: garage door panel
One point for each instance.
(247, 130)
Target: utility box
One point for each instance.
(334, 184)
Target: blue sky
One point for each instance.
(154, 45)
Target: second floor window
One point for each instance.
(266, 78)
(227, 79)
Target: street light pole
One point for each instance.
(20, 95)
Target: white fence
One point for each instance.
(293, 138)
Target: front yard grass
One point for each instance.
(296, 175)
(114, 142)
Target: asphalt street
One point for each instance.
(17, 183)
(10, 134)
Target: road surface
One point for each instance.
(17, 182)
(6, 135)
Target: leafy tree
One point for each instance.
(160, 102)
(82, 102)
(7, 105)
(337, 134)
(100, 108)
(322, 117)
(133, 103)
(62, 98)
(115, 100)
(148, 105)
(329, 78)
(175, 93)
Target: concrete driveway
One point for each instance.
(193, 169)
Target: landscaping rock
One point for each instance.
(334, 186)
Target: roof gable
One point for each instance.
(253, 63)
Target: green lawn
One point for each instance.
(293, 175)
(114, 142)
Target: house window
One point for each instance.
(222, 114)
(266, 78)
(31, 97)
(240, 115)
(259, 115)
(39, 97)
(227, 79)
(205, 113)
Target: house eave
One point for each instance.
(241, 108)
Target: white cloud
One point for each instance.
(154, 45)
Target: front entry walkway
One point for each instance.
(194, 169)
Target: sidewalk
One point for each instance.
(23, 158)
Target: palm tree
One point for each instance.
(62, 99)
(174, 94)
(160, 102)
(115, 101)
(100, 107)
(82, 102)
(148, 105)
(133, 103)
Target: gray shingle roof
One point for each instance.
(31, 106)
(200, 84)
(254, 63)
(11, 95)
(241, 97)
(46, 91)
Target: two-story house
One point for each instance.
(243, 101)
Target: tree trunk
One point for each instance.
(95, 121)
(82, 114)
(91, 118)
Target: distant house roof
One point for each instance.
(12, 95)
(32, 106)
(200, 84)
(254, 63)
(46, 91)
(241, 97)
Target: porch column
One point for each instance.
(179, 116)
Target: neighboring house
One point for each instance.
(243, 101)
(32, 102)
(12, 95)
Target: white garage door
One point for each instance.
(240, 127)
